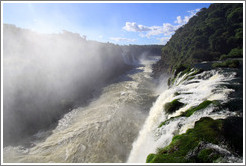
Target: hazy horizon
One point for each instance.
(118, 23)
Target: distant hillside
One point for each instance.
(212, 34)
(147, 49)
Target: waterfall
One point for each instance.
(128, 58)
(204, 86)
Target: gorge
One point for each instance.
(67, 99)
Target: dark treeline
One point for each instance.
(147, 49)
(213, 33)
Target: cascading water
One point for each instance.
(105, 130)
(204, 86)
(128, 58)
(101, 132)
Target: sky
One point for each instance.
(119, 23)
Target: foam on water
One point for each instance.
(101, 132)
(205, 86)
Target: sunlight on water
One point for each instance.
(101, 132)
(205, 86)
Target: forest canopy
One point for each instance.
(213, 33)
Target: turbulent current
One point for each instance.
(101, 132)
(209, 85)
(123, 123)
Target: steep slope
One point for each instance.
(212, 33)
(212, 129)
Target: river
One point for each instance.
(122, 123)
(103, 131)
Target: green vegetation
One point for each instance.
(191, 111)
(140, 49)
(227, 63)
(203, 105)
(212, 34)
(234, 53)
(208, 155)
(191, 73)
(172, 106)
(189, 147)
(167, 121)
(176, 93)
(181, 70)
(206, 129)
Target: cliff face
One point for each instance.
(212, 34)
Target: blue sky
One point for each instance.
(120, 23)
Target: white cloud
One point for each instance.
(166, 29)
(169, 29)
(186, 19)
(164, 40)
(193, 12)
(181, 21)
(134, 27)
(155, 30)
(117, 39)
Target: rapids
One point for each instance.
(101, 132)
(123, 123)
(209, 85)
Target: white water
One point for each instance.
(129, 58)
(104, 131)
(205, 86)
(101, 132)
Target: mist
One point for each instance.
(46, 75)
